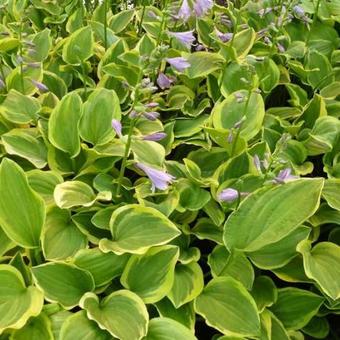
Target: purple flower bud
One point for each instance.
(238, 124)
(117, 126)
(151, 115)
(228, 195)
(185, 38)
(146, 82)
(155, 137)
(225, 37)
(284, 175)
(40, 86)
(2, 84)
(226, 21)
(159, 179)
(184, 12)
(298, 11)
(133, 114)
(151, 105)
(179, 63)
(230, 137)
(281, 48)
(239, 97)
(153, 15)
(267, 40)
(20, 60)
(163, 81)
(199, 47)
(257, 162)
(201, 7)
(29, 44)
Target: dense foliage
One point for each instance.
(170, 169)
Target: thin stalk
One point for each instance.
(239, 129)
(21, 60)
(129, 138)
(315, 18)
(141, 20)
(84, 79)
(165, 14)
(105, 23)
(126, 154)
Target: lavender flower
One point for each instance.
(160, 179)
(184, 12)
(163, 81)
(201, 7)
(228, 195)
(298, 11)
(40, 86)
(284, 175)
(225, 37)
(155, 137)
(152, 115)
(179, 63)
(117, 126)
(185, 38)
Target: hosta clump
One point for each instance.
(170, 169)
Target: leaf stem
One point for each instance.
(315, 18)
(84, 79)
(21, 60)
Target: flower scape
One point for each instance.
(169, 169)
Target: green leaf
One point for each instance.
(35, 328)
(295, 307)
(27, 144)
(18, 108)
(66, 114)
(184, 315)
(119, 21)
(203, 63)
(168, 329)
(148, 152)
(230, 111)
(100, 108)
(268, 215)
(135, 229)
(17, 303)
(331, 192)
(322, 264)
(323, 137)
(192, 197)
(61, 238)
(78, 327)
(43, 183)
(264, 292)
(63, 283)
(122, 313)
(227, 306)
(234, 264)
(276, 255)
(317, 328)
(157, 266)
(78, 46)
(23, 223)
(103, 267)
(243, 42)
(188, 283)
(73, 193)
